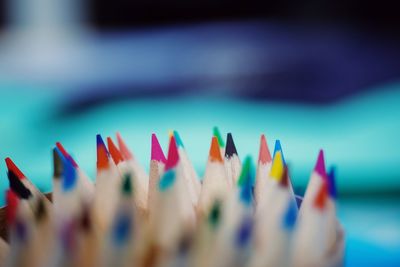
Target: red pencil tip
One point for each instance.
(123, 148)
(284, 182)
(264, 156)
(12, 205)
(173, 155)
(156, 150)
(322, 196)
(65, 154)
(215, 152)
(320, 165)
(115, 154)
(102, 154)
(13, 168)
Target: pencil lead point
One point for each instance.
(264, 155)
(123, 148)
(277, 168)
(17, 186)
(156, 151)
(217, 134)
(66, 154)
(230, 148)
(114, 151)
(173, 156)
(245, 181)
(102, 154)
(320, 165)
(57, 163)
(215, 152)
(69, 176)
(332, 182)
(278, 147)
(13, 168)
(178, 139)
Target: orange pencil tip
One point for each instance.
(102, 154)
(215, 152)
(115, 153)
(123, 148)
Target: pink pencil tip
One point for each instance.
(123, 148)
(264, 155)
(156, 150)
(320, 165)
(173, 156)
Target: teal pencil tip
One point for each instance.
(178, 139)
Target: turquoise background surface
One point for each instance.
(359, 135)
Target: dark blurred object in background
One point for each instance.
(117, 14)
(383, 15)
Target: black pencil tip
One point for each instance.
(17, 186)
(230, 148)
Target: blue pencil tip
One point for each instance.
(331, 178)
(122, 229)
(277, 148)
(178, 139)
(244, 233)
(69, 175)
(289, 219)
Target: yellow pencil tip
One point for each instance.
(277, 167)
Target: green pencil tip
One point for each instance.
(215, 214)
(217, 134)
(127, 187)
(247, 172)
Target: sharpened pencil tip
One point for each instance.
(332, 182)
(123, 148)
(69, 176)
(278, 147)
(102, 154)
(114, 151)
(217, 134)
(264, 155)
(66, 154)
(156, 151)
(178, 139)
(277, 168)
(14, 169)
(230, 148)
(173, 156)
(215, 152)
(320, 165)
(17, 186)
(246, 182)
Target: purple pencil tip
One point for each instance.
(156, 150)
(320, 165)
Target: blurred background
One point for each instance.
(312, 74)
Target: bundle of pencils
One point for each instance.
(233, 216)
